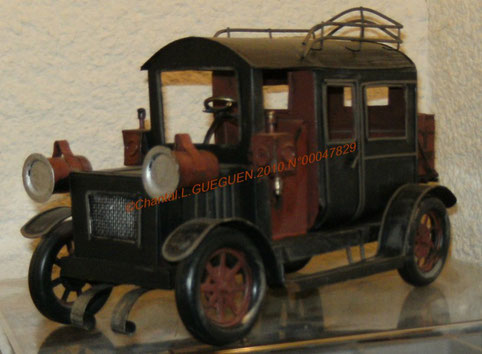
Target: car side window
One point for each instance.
(276, 90)
(339, 112)
(386, 111)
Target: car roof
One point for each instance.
(278, 53)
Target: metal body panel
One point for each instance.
(41, 224)
(283, 53)
(360, 184)
(184, 240)
(141, 252)
(155, 223)
(116, 272)
(400, 212)
(329, 240)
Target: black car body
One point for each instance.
(373, 188)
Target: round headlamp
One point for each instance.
(38, 177)
(160, 172)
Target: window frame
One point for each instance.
(388, 84)
(208, 69)
(354, 101)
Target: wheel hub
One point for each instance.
(428, 242)
(226, 289)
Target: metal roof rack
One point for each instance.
(270, 31)
(333, 25)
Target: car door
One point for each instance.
(339, 143)
(389, 152)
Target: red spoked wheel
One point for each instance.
(429, 238)
(220, 287)
(428, 242)
(226, 287)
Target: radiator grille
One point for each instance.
(110, 219)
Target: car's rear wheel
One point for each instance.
(220, 287)
(429, 238)
(53, 294)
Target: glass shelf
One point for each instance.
(368, 313)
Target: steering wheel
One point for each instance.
(220, 113)
(228, 103)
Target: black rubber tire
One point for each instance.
(40, 282)
(188, 287)
(295, 266)
(411, 272)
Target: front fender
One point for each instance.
(183, 241)
(43, 223)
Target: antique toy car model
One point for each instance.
(338, 159)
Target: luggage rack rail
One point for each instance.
(228, 31)
(389, 28)
(329, 28)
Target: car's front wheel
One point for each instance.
(52, 293)
(220, 287)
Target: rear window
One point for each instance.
(386, 111)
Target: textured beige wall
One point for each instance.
(70, 70)
(455, 56)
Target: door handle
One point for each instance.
(355, 160)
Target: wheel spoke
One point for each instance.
(210, 269)
(222, 269)
(213, 300)
(55, 282)
(208, 287)
(220, 309)
(232, 306)
(233, 271)
(66, 294)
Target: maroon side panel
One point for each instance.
(290, 216)
(225, 84)
(195, 166)
(303, 107)
(295, 212)
(63, 161)
(134, 146)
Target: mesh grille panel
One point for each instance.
(110, 219)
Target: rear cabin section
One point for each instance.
(329, 107)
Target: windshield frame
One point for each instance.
(162, 113)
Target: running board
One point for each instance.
(351, 271)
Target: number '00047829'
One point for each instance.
(306, 159)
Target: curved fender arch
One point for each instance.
(400, 213)
(184, 240)
(41, 224)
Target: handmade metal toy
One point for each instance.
(347, 162)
